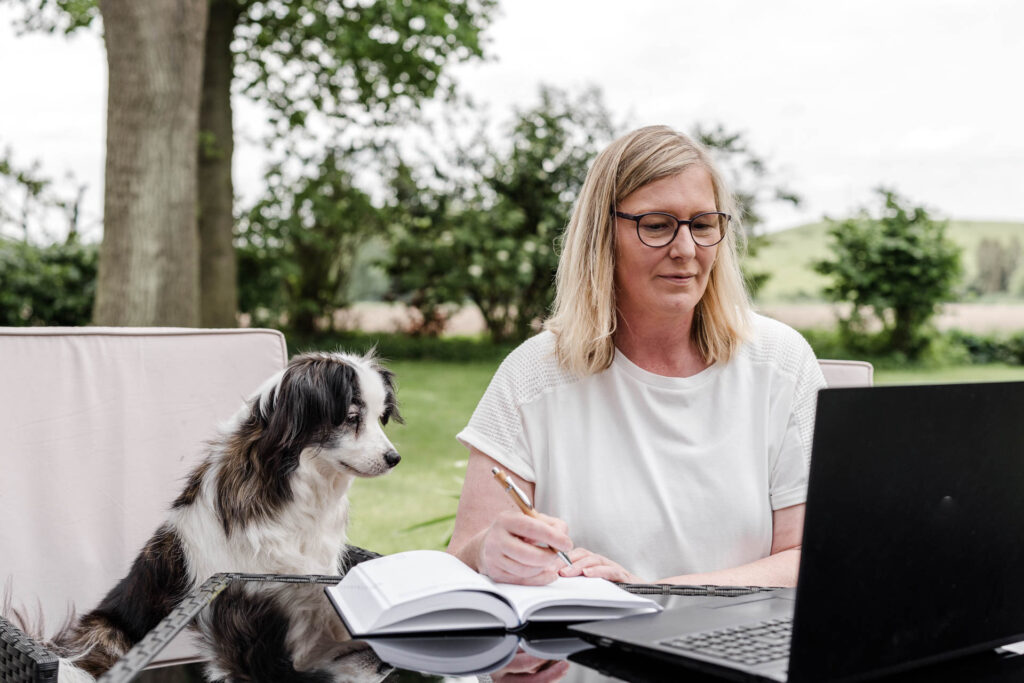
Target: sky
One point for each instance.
(839, 96)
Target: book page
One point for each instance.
(578, 597)
(415, 574)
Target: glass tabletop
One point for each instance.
(279, 628)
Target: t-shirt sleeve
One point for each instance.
(496, 426)
(791, 465)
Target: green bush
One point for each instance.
(893, 270)
(990, 348)
(47, 285)
(955, 347)
(396, 346)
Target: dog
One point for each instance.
(270, 497)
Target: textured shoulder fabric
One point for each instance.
(496, 426)
(780, 345)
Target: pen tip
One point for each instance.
(495, 470)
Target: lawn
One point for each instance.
(436, 400)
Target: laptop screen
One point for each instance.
(913, 543)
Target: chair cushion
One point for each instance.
(98, 429)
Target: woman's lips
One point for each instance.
(680, 278)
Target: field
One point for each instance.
(436, 401)
(789, 253)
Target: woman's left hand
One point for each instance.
(587, 563)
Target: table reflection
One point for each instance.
(276, 632)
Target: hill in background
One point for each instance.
(788, 256)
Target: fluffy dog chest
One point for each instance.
(308, 533)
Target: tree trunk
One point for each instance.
(149, 257)
(218, 269)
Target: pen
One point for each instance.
(523, 502)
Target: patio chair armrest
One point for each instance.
(23, 659)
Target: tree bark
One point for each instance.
(149, 257)
(218, 269)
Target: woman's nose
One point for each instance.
(682, 245)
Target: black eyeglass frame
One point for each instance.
(679, 223)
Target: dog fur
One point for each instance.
(270, 497)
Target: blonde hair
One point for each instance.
(584, 317)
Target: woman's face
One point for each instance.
(664, 282)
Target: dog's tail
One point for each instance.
(33, 626)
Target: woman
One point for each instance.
(659, 422)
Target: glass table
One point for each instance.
(324, 652)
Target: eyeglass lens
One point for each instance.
(658, 229)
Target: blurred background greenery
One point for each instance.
(396, 213)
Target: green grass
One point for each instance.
(961, 373)
(789, 254)
(436, 400)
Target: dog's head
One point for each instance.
(324, 409)
(332, 407)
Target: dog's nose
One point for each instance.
(392, 457)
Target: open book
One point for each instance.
(424, 591)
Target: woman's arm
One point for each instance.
(495, 538)
(778, 569)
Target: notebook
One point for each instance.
(912, 547)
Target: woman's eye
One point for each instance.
(657, 225)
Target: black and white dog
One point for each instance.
(270, 497)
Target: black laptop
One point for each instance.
(913, 546)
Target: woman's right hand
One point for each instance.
(510, 550)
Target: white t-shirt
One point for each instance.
(664, 475)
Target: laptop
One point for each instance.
(913, 547)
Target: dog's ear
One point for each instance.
(313, 397)
(390, 400)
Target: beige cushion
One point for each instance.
(98, 428)
(847, 373)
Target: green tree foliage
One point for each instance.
(893, 270)
(750, 179)
(298, 244)
(493, 242)
(30, 202)
(314, 65)
(47, 285)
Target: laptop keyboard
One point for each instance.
(756, 643)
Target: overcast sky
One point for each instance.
(839, 96)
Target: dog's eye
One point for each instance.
(352, 419)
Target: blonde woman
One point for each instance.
(662, 425)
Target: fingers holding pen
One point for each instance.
(587, 563)
(512, 550)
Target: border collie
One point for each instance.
(270, 497)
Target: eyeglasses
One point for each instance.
(656, 229)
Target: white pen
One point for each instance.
(523, 501)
